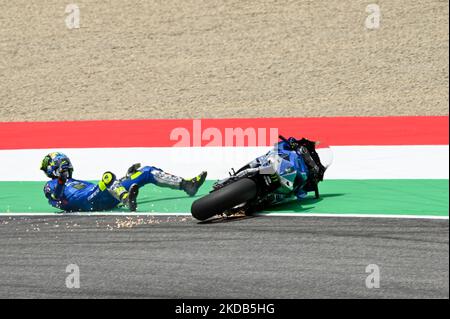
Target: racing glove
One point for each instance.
(63, 172)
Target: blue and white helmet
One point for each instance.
(53, 163)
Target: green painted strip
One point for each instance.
(399, 197)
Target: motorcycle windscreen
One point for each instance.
(325, 154)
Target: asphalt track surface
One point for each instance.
(259, 257)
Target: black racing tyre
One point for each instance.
(223, 199)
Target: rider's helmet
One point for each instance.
(52, 163)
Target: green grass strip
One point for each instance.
(390, 197)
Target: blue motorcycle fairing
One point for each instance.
(291, 168)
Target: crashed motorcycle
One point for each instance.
(291, 169)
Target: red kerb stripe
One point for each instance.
(157, 132)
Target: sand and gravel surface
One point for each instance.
(210, 58)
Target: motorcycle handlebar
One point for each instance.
(281, 137)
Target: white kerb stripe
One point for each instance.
(350, 162)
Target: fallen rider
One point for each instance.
(72, 195)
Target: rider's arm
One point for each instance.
(57, 193)
(54, 194)
(59, 189)
(63, 175)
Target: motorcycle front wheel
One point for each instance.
(223, 199)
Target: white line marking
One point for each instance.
(265, 214)
(354, 215)
(93, 214)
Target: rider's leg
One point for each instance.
(126, 195)
(152, 175)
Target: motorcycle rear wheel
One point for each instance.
(223, 199)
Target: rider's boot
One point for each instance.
(133, 170)
(191, 186)
(131, 199)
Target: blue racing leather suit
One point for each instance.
(77, 195)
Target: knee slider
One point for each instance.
(108, 178)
